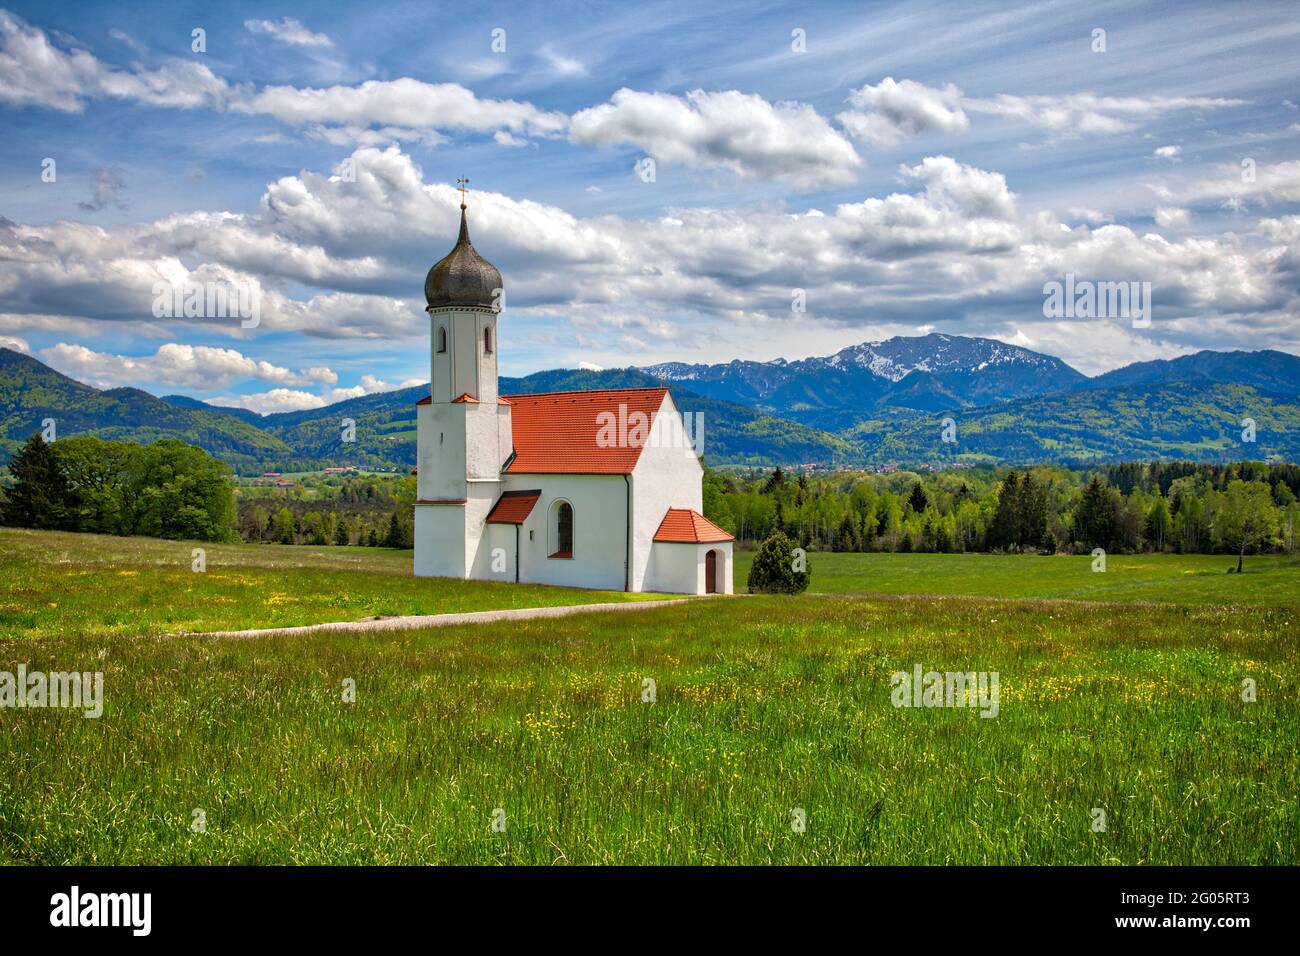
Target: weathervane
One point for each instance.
(463, 185)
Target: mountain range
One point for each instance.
(906, 374)
(869, 404)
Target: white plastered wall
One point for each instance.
(439, 541)
(440, 451)
(667, 475)
(599, 529)
(480, 497)
(498, 542)
(679, 567)
(458, 456)
(465, 367)
(724, 549)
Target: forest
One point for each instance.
(170, 489)
(370, 510)
(1132, 507)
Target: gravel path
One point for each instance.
(416, 621)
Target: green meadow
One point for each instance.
(54, 584)
(1163, 578)
(680, 734)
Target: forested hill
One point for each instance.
(1192, 408)
(32, 393)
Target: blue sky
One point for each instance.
(913, 167)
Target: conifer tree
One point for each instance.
(41, 496)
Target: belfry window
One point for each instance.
(487, 341)
(442, 338)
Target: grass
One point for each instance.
(57, 584)
(763, 705)
(1165, 578)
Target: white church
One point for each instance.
(589, 489)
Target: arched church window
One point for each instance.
(487, 341)
(562, 529)
(442, 338)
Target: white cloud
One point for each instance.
(1171, 217)
(68, 269)
(288, 30)
(294, 400)
(1109, 344)
(402, 103)
(30, 322)
(744, 133)
(483, 68)
(365, 136)
(275, 400)
(202, 368)
(737, 131)
(886, 114)
(190, 366)
(1284, 229)
(560, 64)
(972, 190)
(371, 385)
(1238, 185)
(1087, 113)
(34, 72)
(15, 343)
(123, 37)
(892, 111)
(1087, 214)
(953, 249)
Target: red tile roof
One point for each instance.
(427, 400)
(463, 398)
(685, 525)
(513, 507)
(556, 432)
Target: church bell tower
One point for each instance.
(464, 295)
(463, 427)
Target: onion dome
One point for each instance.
(463, 278)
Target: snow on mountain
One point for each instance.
(961, 370)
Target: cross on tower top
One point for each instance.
(463, 185)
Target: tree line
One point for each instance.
(171, 489)
(374, 512)
(1161, 506)
(168, 489)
